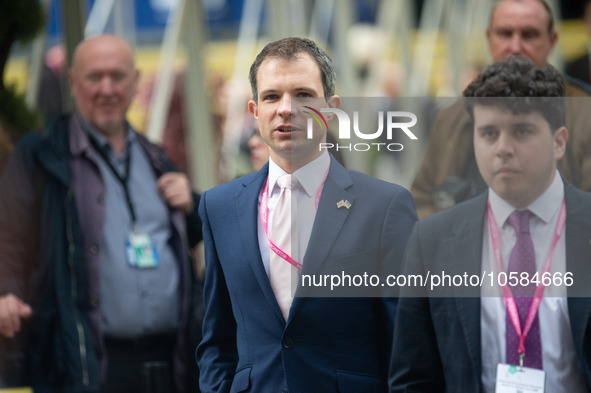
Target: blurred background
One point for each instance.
(194, 57)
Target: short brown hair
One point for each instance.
(289, 49)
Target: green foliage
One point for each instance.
(17, 116)
(21, 20)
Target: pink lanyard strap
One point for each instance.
(264, 212)
(537, 299)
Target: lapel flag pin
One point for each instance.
(345, 204)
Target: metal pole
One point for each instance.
(99, 17)
(36, 63)
(245, 52)
(425, 47)
(199, 132)
(321, 20)
(74, 18)
(165, 78)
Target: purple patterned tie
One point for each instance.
(523, 259)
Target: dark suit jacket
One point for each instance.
(579, 68)
(437, 340)
(328, 344)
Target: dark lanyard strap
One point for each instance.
(122, 179)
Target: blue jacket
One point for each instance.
(333, 341)
(46, 260)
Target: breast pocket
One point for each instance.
(241, 381)
(364, 261)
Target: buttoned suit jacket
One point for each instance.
(437, 345)
(328, 344)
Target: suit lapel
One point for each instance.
(328, 224)
(465, 250)
(247, 210)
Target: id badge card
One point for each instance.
(515, 379)
(141, 251)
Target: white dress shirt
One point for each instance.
(311, 180)
(563, 371)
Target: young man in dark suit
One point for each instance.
(448, 173)
(258, 337)
(470, 337)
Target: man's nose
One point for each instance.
(106, 85)
(515, 44)
(285, 109)
(505, 145)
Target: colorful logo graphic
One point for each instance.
(315, 116)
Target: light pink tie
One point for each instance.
(282, 274)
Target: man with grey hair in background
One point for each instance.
(95, 228)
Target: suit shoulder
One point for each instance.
(572, 192)
(471, 209)
(574, 87)
(223, 188)
(454, 112)
(373, 184)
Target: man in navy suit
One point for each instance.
(347, 222)
(464, 343)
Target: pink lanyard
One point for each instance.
(264, 212)
(537, 299)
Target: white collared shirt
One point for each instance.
(563, 371)
(310, 177)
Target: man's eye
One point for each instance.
(270, 97)
(504, 33)
(529, 35)
(489, 134)
(118, 76)
(304, 95)
(94, 77)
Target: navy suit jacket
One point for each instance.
(328, 344)
(437, 344)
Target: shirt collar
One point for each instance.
(544, 207)
(100, 138)
(310, 176)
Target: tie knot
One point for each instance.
(519, 219)
(287, 181)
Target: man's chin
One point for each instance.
(110, 126)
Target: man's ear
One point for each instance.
(333, 102)
(560, 137)
(136, 80)
(553, 39)
(488, 38)
(252, 108)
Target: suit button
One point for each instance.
(93, 302)
(94, 249)
(288, 343)
(283, 390)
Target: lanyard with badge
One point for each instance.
(264, 213)
(509, 377)
(140, 249)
